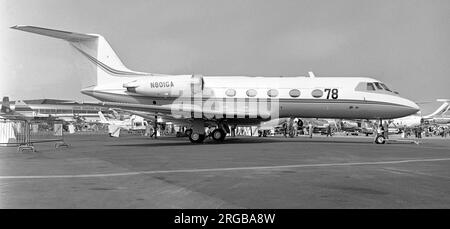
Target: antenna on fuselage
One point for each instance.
(311, 75)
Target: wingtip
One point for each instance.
(18, 27)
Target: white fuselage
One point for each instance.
(318, 97)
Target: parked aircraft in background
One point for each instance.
(8, 110)
(134, 123)
(438, 117)
(222, 101)
(65, 110)
(17, 125)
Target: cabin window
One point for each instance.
(370, 87)
(294, 93)
(317, 93)
(251, 93)
(272, 93)
(230, 92)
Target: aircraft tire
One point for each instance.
(218, 135)
(380, 139)
(196, 138)
(188, 132)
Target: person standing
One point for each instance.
(385, 130)
(328, 130)
(310, 130)
(147, 130)
(294, 129)
(284, 129)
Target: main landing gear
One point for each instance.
(196, 138)
(197, 132)
(218, 135)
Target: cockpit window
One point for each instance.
(385, 87)
(378, 86)
(370, 87)
(374, 87)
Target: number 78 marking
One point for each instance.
(334, 93)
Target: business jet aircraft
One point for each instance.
(224, 100)
(438, 117)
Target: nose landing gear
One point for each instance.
(196, 137)
(383, 133)
(380, 139)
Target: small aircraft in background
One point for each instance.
(134, 123)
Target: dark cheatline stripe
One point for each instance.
(296, 100)
(106, 67)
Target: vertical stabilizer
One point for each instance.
(6, 108)
(102, 117)
(441, 110)
(108, 67)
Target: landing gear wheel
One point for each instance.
(380, 139)
(218, 135)
(196, 138)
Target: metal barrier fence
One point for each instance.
(25, 133)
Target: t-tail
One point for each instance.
(6, 107)
(441, 110)
(108, 67)
(102, 117)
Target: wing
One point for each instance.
(151, 116)
(184, 111)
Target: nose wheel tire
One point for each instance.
(196, 138)
(218, 135)
(380, 139)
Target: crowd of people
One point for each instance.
(294, 128)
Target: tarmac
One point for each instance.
(97, 171)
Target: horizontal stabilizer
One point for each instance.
(68, 36)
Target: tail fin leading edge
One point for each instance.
(5, 105)
(102, 117)
(441, 110)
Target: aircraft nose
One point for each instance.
(411, 106)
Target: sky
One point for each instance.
(404, 43)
